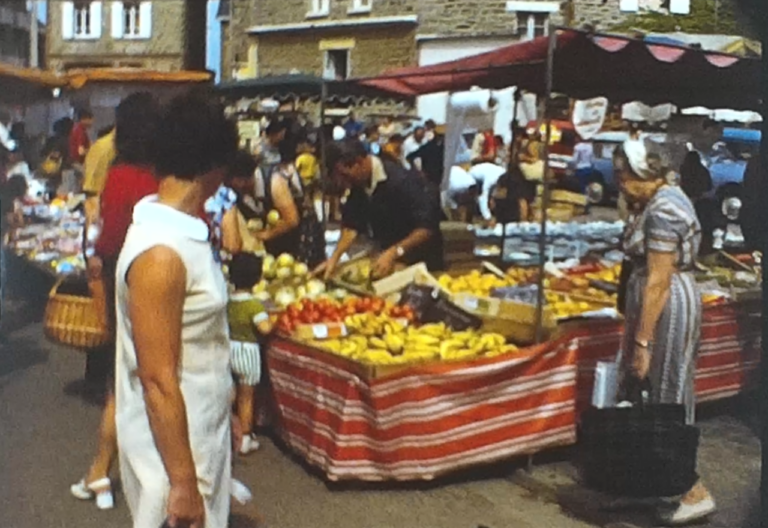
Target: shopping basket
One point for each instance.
(78, 321)
(642, 451)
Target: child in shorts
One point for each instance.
(248, 320)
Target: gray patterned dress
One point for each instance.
(668, 224)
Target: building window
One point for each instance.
(319, 8)
(132, 19)
(337, 65)
(532, 25)
(81, 19)
(360, 6)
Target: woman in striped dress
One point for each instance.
(663, 311)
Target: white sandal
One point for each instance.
(101, 490)
(690, 513)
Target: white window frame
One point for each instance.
(527, 11)
(75, 20)
(360, 6)
(319, 8)
(530, 24)
(132, 20)
(326, 60)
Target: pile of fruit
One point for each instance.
(349, 311)
(482, 284)
(285, 281)
(380, 340)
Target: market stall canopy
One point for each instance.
(588, 65)
(77, 79)
(301, 86)
(26, 85)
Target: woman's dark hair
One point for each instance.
(242, 165)
(84, 113)
(245, 270)
(136, 120)
(346, 152)
(193, 137)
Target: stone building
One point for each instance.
(16, 29)
(343, 38)
(163, 35)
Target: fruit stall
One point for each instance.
(418, 375)
(51, 239)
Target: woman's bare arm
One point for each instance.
(286, 206)
(157, 286)
(661, 267)
(231, 240)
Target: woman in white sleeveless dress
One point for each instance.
(173, 381)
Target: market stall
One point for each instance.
(350, 405)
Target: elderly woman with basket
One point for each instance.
(663, 310)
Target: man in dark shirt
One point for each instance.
(388, 203)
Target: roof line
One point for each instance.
(328, 24)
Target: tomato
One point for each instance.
(313, 317)
(364, 304)
(395, 311)
(377, 305)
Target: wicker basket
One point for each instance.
(77, 321)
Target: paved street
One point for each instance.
(47, 435)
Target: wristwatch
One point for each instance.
(642, 343)
(400, 251)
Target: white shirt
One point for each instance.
(410, 145)
(21, 169)
(583, 155)
(486, 174)
(459, 181)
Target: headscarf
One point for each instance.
(637, 156)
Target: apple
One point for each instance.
(300, 269)
(283, 273)
(285, 260)
(273, 217)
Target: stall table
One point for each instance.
(432, 419)
(425, 420)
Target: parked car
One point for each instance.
(728, 160)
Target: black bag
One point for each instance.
(642, 451)
(626, 271)
(429, 305)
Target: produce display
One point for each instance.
(379, 340)
(348, 311)
(481, 284)
(56, 245)
(285, 281)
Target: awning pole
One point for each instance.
(540, 298)
(321, 137)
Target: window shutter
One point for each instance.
(67, 20)
(145, 18)
(96, 24)
(118, 29)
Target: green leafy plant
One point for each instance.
(706, 17)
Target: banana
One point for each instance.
(333, 345)
(394, 343)
(449, 346)
(464, 336)
(377, 342)
(424, 339)
(434, 329)
(349, 349)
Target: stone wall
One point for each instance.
(602, 14)
(235, 41)
(375, 50)
(165, 50)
